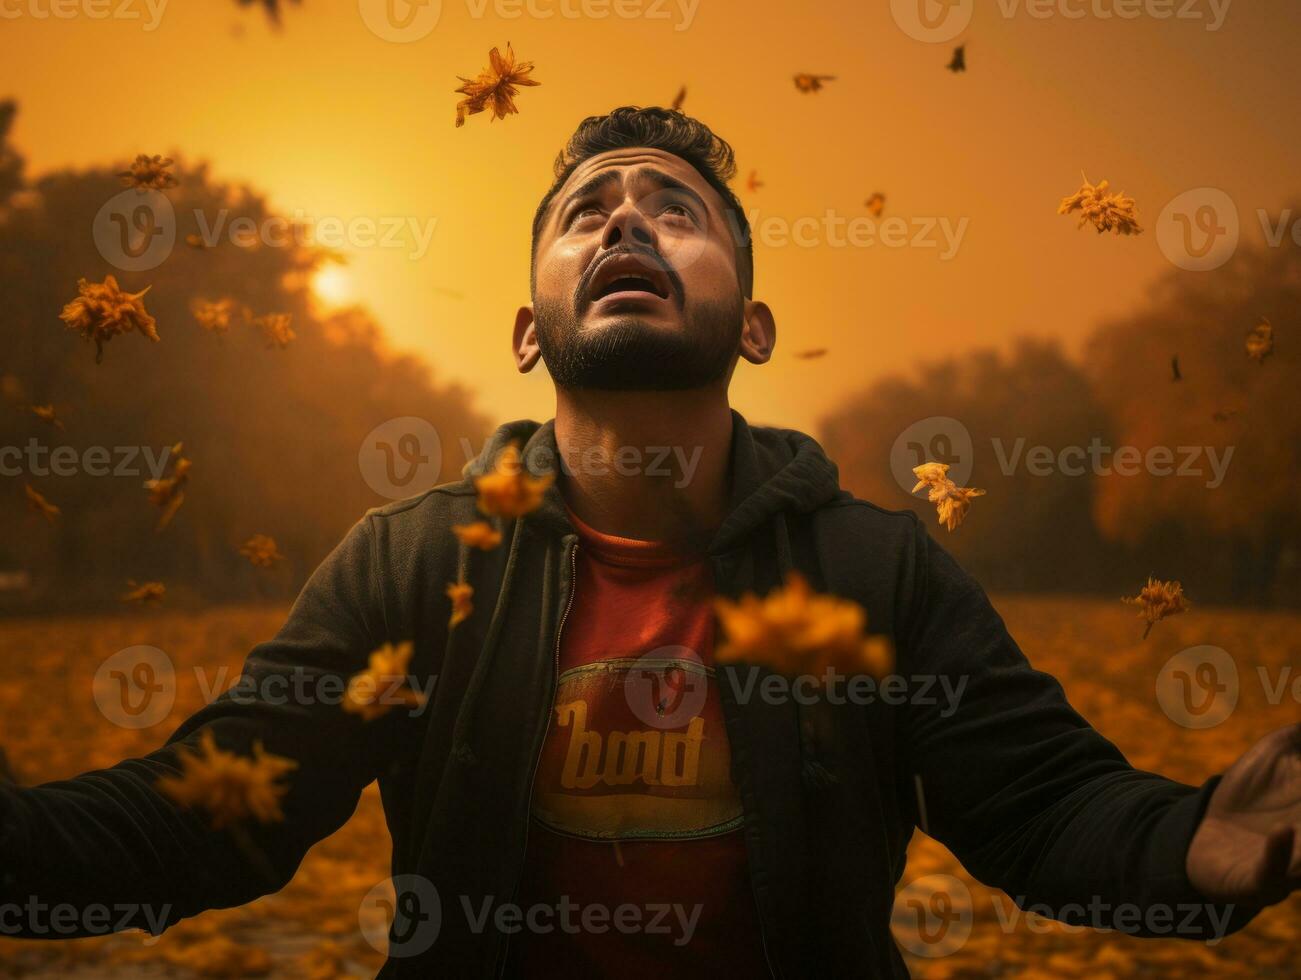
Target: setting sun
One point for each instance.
(332, 285)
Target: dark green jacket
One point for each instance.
(1027, 795)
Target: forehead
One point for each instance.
(627, 160)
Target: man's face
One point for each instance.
(636, 278)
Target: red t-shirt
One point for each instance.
(635, 838)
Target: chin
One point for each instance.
(631, 322)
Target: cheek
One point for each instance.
(559, 272)
(707, 267)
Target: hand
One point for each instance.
(1248, 846)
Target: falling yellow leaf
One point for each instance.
(261, 551)
(753, 183)
(276, 329)
(169, 492)
(795, 631)
(1159, 600)
(494, 88)
(103, 311)
(216, 316)
(144, 592)
(382, 686)
(37, 502)
(951, 501)
(195, 241)
(1106, 212)
(812, 83)
(679, 99)
(875, 204)
(46, 413)
(149, 174)
(461, 594)
(480, 534)
(510, 491)
(811, 353)
(229, 787)
(1260, 341)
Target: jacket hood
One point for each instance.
(773, 471)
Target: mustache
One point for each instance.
(582, 293)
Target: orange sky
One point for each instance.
(331, 120)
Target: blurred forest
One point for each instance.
(1238, 542)
(274, 434)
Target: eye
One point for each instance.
(585, 212)
(678, 210)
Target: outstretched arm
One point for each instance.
(1033, 800)
(110, 838)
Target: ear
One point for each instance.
(758, 333)
(524, 341)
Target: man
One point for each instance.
(587, 792)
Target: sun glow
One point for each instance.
(332, 285)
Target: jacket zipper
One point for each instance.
(537, 758)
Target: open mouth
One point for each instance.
(629, 276)
(629, 284)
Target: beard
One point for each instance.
(630, 354)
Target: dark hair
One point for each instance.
(670, 131)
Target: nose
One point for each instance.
(628, 225)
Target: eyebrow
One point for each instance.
(659, 178)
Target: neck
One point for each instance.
(651, 465)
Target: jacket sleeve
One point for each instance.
(110, 838)
(1028, 796)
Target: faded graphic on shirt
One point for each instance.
(637, 751)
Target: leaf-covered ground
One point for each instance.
(51, 728)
